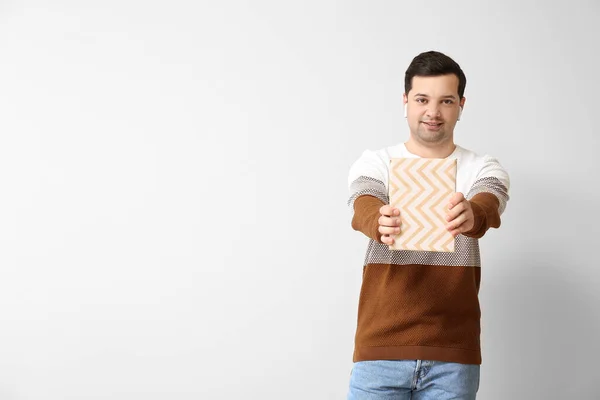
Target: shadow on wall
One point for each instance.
(543, 321)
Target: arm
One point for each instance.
(486, 214)
(368, 193)
(485, 202)
(366, 216)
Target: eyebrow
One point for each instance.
(448, 96)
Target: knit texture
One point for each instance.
(414, 304)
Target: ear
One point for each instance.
(461, 105)
(404, 98)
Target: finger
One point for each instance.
(456, 211)
(387, 239)
(389, 211)
(457, 222)
(389, 230)
(456, 198)
(387, 221)
(455, 232)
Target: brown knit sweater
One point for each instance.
(420, 311)
(423, 305)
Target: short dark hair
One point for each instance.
(434, 63)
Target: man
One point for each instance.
(418, 327)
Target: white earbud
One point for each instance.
(459, 113)
(405, 110)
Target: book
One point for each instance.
(421, 189)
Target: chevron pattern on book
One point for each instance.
(421, 188)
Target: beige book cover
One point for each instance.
(421, 188)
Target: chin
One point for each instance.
(432, 138)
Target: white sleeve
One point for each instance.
(368, 175)
(492, 178)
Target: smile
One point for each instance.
(433, 124)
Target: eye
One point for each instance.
(421, 100)
(448, 101)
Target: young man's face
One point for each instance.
(433, 106)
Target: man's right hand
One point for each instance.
(389, 223)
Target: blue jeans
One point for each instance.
(413, 379)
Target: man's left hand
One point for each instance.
(460, 216)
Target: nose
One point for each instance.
(433, 111)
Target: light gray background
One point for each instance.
(173, 220)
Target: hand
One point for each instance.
(460, 215)
(389, 223)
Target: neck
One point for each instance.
(433, 150)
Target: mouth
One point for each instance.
(432, 125)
